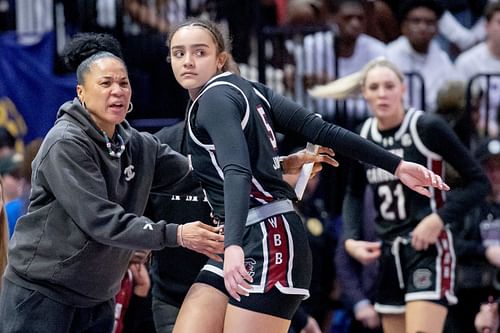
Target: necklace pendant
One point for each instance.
(109, 146)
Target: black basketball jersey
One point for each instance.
(267, 178)
(232, 124)
(399, 208)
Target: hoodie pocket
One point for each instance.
(94, 271)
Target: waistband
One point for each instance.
(260, 213)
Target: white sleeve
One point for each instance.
(455, 32)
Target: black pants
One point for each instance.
(27, 311)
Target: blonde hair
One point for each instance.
(352, 84)
(4, 237)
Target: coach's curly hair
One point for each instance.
(85, 48)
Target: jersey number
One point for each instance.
(269, 129)
(393, 202)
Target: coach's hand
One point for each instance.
(236, 277)
(202, 238)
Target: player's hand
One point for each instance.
(493, 255)
(363, 251)
(426, 232)
(236, 278)
(418, 178)
(292, 164)
(202, 238)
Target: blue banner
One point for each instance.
(27, 79)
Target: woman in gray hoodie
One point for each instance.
(90, 184)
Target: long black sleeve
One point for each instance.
(292, 118)
(353, 205)
(448, 145)
(224, 128)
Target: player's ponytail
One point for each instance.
(352, 84)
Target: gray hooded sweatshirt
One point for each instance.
(84, 217)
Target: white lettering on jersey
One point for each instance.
(278, 258)
(191, 198)
(277, 239)
(273, 222)
(276, 162)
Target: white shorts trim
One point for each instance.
(389, 309)
(213, 269)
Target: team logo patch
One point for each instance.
(406, 140)
(250, 266)
(422, 278)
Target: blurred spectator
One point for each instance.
(133, 302)
(325, 55)
(4, 234)
(461, 37)
(484, 58)
(7, 15)
(477, 246)
(358, 282)
(417, 51)
(30, 152)
(382, 21)
(322, 234)
(184, 203)
(303, 12)
(33, 19)
(451, 105)
(7, 142)
(154, 15)
(10, 171)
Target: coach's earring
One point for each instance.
(130, 107)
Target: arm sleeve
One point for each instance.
(353, 204)
(291, 118)
(78, 185)
(223, 124)
(441, 139)
(455, 32)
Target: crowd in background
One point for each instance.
(449, 52)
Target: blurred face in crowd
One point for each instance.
(491, 167)
(194, 57)
(106, 93)
(493, 30)
(420, 26)
(383, 91)
(351, 20)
